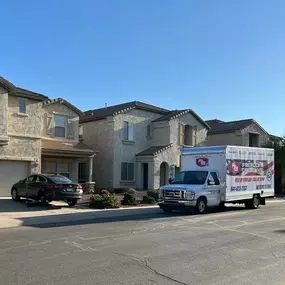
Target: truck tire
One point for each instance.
(254, 203)
(201, 206)
(166, 210)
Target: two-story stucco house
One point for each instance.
(39, 135)
(243, 133)
(139, 144)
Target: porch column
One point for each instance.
(90, 168)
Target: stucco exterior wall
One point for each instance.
(253, 128)
(126, 151)
(25, 149)
(48, 111)
(100, 136)
(3, 114)
(225, 139)
(160, 133)
(25, 125)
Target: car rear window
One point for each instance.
(60, 179)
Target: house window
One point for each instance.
(22, 106)
(127, 171)
(253, 140)
(58, 168)
(182, 134)
(82, 172)
(188, 135)
(148, 131)
(128, 131)
(59, 129)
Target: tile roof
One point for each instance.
(62, 101)
(4, 83)
(154, 150)
(219, 127)
(67, 147)
(102, 113)
(177, 113)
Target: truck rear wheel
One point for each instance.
(254, 203)
(201, 206)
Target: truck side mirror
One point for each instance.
(170, 180)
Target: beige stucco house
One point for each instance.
(139, 144)
(243, 133)
(39, 135)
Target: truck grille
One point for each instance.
(173, 194)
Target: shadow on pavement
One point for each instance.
(9, 206)
(106, 216)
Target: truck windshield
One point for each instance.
(191, 177)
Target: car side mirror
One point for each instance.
(211, 182)
(170, 180)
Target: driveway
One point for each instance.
(237, 247)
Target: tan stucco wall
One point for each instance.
(161, 133)
(21, 148)
(59, 109)
(27, 125)
(3, 114)
(225, 139)
(240, 138)
(99, 135)
(126, 152)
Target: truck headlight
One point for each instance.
(189, 195)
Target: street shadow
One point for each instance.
(10, 206)
(107, 216)
(281, 231)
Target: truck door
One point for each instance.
(213, 190)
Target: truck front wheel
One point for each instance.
(201, 206)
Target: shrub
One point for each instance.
(154, 194)
(148, 200)
(105, 192)
(132, 191)
(104, 201)
(129, 199)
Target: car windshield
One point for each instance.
(191, 177)
(60, 179)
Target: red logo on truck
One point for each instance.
(201, 162)
(235, 167)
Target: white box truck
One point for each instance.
(213, 176)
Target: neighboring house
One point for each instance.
(38, 135)
(139, 144)
(243, 133)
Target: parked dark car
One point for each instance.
(46, 188)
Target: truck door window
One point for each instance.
(213, 178)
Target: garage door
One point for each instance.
(10, 173)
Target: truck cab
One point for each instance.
(192, 190)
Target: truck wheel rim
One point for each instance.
(14, 194)
(201, 206)
(255, 201)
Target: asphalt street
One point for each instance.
(237, 246)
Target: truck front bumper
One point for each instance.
(177, 204)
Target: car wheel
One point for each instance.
(72, 203)
(43, 199)
(201, 206)
(14, 195)
(254, 203)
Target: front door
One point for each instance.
(145, 176)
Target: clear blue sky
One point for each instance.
(224, 59)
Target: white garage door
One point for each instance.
(10, 173)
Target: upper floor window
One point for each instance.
(22, 106)
(60, 126)
(188, 135)
(128, 131)
(253, 140)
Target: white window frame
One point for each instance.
(65, 126)
(22, 101)
(128, 131)
(128, 178)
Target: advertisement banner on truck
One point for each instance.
(252, 174)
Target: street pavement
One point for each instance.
(234, 247)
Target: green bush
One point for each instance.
(129, 199)
(105, 192)
(148, 200)
(132, 191)
(154, 194)
(104, 201)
